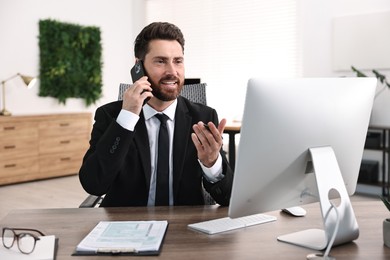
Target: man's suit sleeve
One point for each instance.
(108, 148)
(221, 190)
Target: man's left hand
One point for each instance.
(208, 141)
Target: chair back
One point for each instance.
(122, 89)
(193, 92)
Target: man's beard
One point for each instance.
(166, 94)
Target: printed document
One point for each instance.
(119, 237)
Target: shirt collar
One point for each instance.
(149, 112)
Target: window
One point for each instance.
(227, 42)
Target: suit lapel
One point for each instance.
(183, 126)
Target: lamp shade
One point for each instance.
(28, 81)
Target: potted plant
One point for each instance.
(381, 78)
(386, 223)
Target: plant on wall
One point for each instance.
(70, 61)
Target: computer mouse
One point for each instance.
(295, 211)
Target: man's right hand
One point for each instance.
(133, 97)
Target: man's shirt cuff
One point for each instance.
(214, 173)
(127, 119)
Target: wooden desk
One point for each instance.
(71, 225)
(232, 128)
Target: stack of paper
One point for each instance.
(124, 237)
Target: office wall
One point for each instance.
(316, 22)
(317, 47)
(19, 51)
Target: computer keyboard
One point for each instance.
(226, 224)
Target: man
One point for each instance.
(122, 161)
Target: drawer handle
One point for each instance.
(8, 128)
(65, 159)
(65, 142)
(10, 147)
(64, 124)
(10, 165)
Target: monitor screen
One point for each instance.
(282, 119)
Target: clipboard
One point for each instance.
(124, 238)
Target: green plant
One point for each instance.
(70, 61)
(381, 78)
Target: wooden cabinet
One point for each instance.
(42, 146)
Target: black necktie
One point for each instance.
(162, 186)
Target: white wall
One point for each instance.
(119, 21)
(316, 21)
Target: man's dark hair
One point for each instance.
(156, 31)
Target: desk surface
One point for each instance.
(71, 225)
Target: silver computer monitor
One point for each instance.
(282, 120)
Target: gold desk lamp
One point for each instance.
(28, 81)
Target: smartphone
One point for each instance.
(207, 127)
(137, 72)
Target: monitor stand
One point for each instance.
(329, 179)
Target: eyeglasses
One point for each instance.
(26, 240)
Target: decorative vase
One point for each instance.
(386, 232)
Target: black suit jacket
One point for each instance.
(118, 161)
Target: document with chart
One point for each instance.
(124, 237)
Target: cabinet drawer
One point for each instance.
(15, 130)
(61, 164)
(61, 144)
(17, 148)
(18, 169)
(64, 127)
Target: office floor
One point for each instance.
(63, 192)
